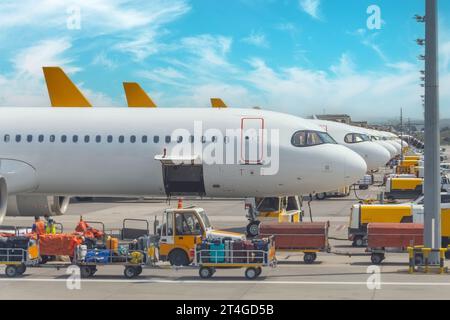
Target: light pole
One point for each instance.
(432, 179)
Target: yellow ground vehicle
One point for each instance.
(407, 166)
(181, 230)
(362, 215)
(281, 209)
(403, 188)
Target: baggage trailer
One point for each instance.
(209, 260)
(17, 259)
(308, 238)
(393, 237)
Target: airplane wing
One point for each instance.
(136, 96)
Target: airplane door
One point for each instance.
(252, 151)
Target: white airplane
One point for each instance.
(376, 137)
(375, 155)
(48, 155)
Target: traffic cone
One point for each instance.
(180, 203)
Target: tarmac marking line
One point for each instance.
(338, 283)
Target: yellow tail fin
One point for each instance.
(136, 97)
(218, 103)
(62, 91)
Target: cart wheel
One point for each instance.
(419, 260)
(358, 242)
(251, 273)
(11, 271)
(377, 258)
(253, 228)
(258, 271)
(85, 271)
(139, 270)
(21, 269)
(205, 272)
(309, 257)
(93, 270)
(130, 272)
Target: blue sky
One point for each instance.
(296, 56)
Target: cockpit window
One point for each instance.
(308, 138)
(356, 138)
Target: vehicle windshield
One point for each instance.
(308, 138)
(205, 220)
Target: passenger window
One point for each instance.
(75, 139)
(203, 139)
(63, 138)
(133, 139)
(156, 139)
(144, 139)
(52, 138)
(110, 139)
(121, 139)
(29, 138)
(226, 139)
(18, 138)
(41, 138)
(87, 139)
(191, 139)
(214, 139)
(98, 139)
(7, 138)
(168, 139)
(187, 224)
(180, 139)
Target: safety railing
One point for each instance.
(422, 255)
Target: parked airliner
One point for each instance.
(375, 155)
(56, 153)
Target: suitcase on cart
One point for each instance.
(217, 252)
(249, 247)
(238, 253)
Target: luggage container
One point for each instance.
(18, 255)
(253, 260)
(308, 238)
(393, 237)
(403, 188)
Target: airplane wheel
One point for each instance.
(253, 228)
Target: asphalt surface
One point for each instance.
(346, 273)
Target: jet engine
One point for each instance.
(36, 205)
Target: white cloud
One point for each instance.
(24, 86)
(257, 39)
(311, 7)
(346, 65)
(102, 60)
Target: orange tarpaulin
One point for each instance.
(58, 244)
(87, 231)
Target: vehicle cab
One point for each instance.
(182, 229)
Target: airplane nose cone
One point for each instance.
(397, 146)
(376, 156)
(355, 168)
(390, 148)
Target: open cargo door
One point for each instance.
(182, 176)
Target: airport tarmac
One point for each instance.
(334, 276)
